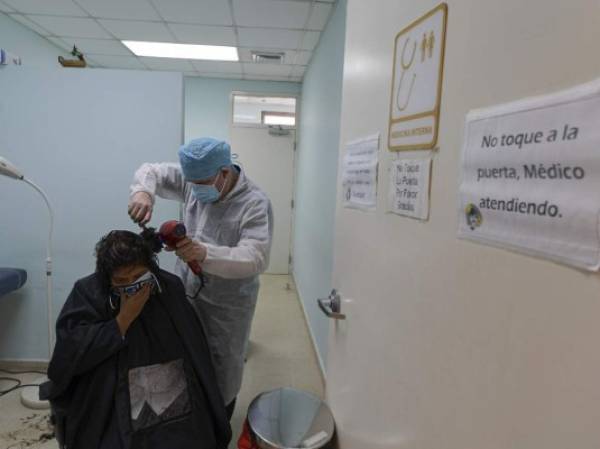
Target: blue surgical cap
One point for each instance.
(202, 158)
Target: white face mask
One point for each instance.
(131, 289)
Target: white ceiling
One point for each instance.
(96, 26)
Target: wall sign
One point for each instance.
(409, 188)
(531, 176)
(417, 82)
(7, 58)
(359, 173)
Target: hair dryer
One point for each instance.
(170, 233)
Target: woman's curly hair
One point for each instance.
(122, 248)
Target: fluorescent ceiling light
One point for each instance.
(182, 51)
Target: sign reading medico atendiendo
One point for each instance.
(531, 176)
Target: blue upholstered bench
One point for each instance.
(11, 279)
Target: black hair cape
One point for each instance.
(83, 371)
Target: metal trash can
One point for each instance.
(288, 418)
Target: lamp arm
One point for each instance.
(48, 264)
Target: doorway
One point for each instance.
(263, 136)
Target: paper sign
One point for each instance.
(359, 177)
(417, 82)
(531, 176)
(409, 188)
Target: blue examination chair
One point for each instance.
(11, 279)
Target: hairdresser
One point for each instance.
(230, 228)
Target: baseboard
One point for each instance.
(310, 331)
(24, 364)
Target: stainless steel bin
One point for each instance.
(288, 418)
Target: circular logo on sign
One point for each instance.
(473, 215)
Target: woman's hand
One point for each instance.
(131, 307)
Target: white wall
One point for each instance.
(450, 344)
(316, 175)
(34, 50)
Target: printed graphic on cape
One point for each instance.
(158, 393)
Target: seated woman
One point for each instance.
(131, 367)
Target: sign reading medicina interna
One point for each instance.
(531, 176)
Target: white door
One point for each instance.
(268, 160)
(448, 344)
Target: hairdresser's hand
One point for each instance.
(131, 307)
(140, 207)
(189, 250)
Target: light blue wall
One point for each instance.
(34, 50)
(316, 174)
(208, 103)
(80, 135)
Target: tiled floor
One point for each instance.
(280, 354)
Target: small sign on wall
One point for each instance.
(7, 58)
(417, 82)
(531, 176)
(409, 188)
(359, 173)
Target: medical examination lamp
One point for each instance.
(8, 169)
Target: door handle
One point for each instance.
(332, 306)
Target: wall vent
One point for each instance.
(263, 57)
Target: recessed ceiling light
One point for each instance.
(182, 51)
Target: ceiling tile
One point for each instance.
(267, 13)
(218, 67)
(54, 7)
(232, 76)
(303, 57)
(298, 70)
(118, 62)
(310, 40)
(319, 16)
(245, 54)
(23, 20)
(202, 34)
(138, 31)
(267, 69)
(269, 38)
(120, 9)
(172, 65)
(266, 78)
(71, 26)
(204, 12)
(5, 8)
(98, 46)
(60, 43)
(289, 56)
